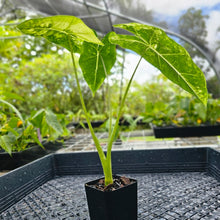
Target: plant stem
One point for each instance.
(111, 139)
(95, 139)
(39, 135)
(108, 166)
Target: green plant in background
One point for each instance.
(188, 111)
(213, 111)
(169, 105)
(158, 113)
(79, 118)
(97, 57)
(182, 110)
(47, 125)
(46, 79)
(131, 121)
(16, 133)
(9, 43)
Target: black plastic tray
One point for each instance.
(18, 183)
(186, 131)
(32, 153)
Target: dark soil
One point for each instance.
(118, 182)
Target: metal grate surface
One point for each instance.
(84, 142)
(160, 196)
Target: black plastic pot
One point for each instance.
(118, 142)
(112, 205)
(188, 131)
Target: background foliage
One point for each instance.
(36, 75)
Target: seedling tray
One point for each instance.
(172, 184)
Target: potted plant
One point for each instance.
(109, 194)
(185, 117)
(24, 140)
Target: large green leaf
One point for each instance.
(165, 54)
(96, 61)
(66, 31)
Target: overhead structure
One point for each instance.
(101, 15)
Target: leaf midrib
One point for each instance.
(160, 55)
(96, 67)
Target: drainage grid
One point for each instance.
(176, 183)
(84, 142)
(185, 195)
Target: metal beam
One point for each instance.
(93, 16)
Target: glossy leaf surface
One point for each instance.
(96, 61)
(165, 54)
(66, 31)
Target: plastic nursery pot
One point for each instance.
(118, 142)
(119, 204)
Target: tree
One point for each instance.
(46, 81)
(213, 86)
(133, 9)
(192, 24)
(217, 46)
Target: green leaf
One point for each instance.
(35, 138)
(37, 118)
(45, 129)
(96, 61)
(52, 121)
(66, 31)
(13, 108)
(165, 54)
(10, 95)
(200, 110)
(16, 133)
(6, 143)
(13, 122)
(30, 131)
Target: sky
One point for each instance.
(145, 70)
(171, 15)
(176, 7)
